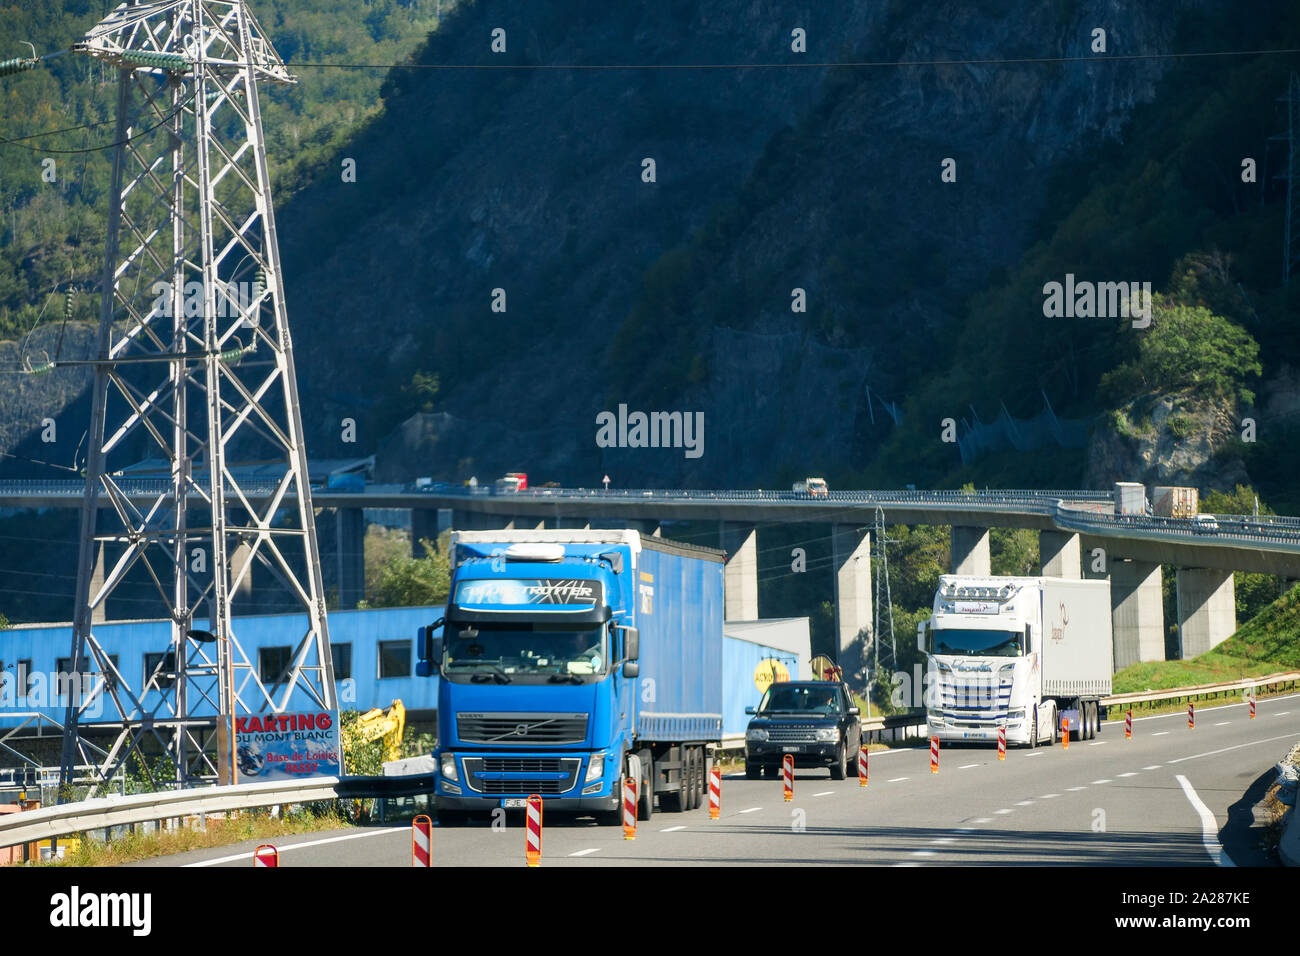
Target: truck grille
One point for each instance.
(791, 735)
(521, 775)
(975, 700)
(508, 730)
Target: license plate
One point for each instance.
(792, 750)
(514, 803)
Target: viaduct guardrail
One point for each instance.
(69, 819)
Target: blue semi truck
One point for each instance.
(571, 660)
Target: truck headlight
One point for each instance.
(756, 733)
(447, 765)
(595, 767)
(828, 734)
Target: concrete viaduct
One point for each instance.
(1079, 536)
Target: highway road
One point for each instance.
(1171, 796)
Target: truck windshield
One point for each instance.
(561, 652)
(961, 640)
(793, 698)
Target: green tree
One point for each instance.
(1253, 592)
(1013, 551)
(1188, 347)
(408, 582)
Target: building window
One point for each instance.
(342, 656)
(167, 674)
(272, 662)
(26, 676)
(395, 659)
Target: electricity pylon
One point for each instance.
(193, 365)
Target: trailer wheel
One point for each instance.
(675, 801)
(698, 778)
(1093, 719)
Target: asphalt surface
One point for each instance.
(1171, 796)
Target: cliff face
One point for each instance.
(676, 294)
(1169, 440)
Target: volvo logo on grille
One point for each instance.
(521, 730)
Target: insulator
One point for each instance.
(160, 61)
(42, 369)
(232, 356)
(68, 297)
(18, 65)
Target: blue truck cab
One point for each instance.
(570, 660)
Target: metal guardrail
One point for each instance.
(1200, 690)
(72, 818)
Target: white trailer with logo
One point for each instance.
(1019, 653)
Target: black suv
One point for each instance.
(816, 721)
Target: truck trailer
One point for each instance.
(571, 660)
(1016, 652)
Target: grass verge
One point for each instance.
(248, 825)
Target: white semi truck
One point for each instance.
(1016, 652)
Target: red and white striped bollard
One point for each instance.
(266, 855)
(715, 792)
(422, 841)
(1191, 716)
(533, 844)
(1128, 724)
(629, 808)
(1002, 742)
(787, 776)
(862, 765)
(934, 754)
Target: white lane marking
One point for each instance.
(1001, 812)
(983, 820)
(824, 793)
(922, 853)
(1223, 723)
(389, 831)
(594, 849)
(1161, 734)
(680, 826)
(1096, 743)
(896, 780)
(1224, 750)
(941, 841)
(1154, 766)
(1048, 796)
(1073, 789)
(1283, 714)
(1131, 773)
(1036, 753)
(967, 766)
(1024, 803)
(1209, 826)
(1096, 783)
(752, 810)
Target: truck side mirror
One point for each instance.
(921, 628)
(750, 710)
(430, 648)
(854, 711)
(631, 668)
(631, 643)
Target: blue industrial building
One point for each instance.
(374, 659)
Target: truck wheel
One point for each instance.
(838, 768)
(1056, 727)
(1033, 731)
(614, 818)
(853, 761)
(752, 771)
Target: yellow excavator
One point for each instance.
(388, 724)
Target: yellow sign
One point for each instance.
(770, 671)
